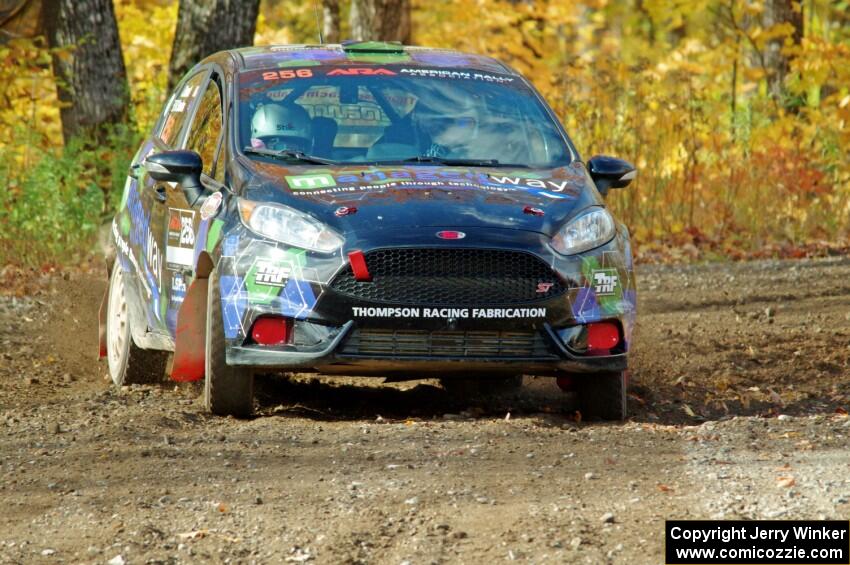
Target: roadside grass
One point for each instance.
(52, 207)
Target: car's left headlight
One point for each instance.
(289, 226)
(591, 229)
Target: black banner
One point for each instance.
(761, 542)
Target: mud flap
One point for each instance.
(190, 337)
(101, 324)
(103, 313)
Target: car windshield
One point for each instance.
(393, 114)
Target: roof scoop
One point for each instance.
(354, 46)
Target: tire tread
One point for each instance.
(603, 396)
(142, 366)
(228, 390)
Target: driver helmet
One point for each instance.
(280, 127)
(453, 125)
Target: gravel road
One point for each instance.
(740, 393)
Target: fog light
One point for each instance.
(271, 330)
(601, 337)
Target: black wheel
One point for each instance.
(485, 386)
(128, 363)
(228, 390)
(602, 396)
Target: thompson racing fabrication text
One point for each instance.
(456, 313)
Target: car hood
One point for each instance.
(425, 196)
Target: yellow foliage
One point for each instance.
(29, 109)
(676, 86)
(655, 86)
(147, 33)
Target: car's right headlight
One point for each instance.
(590, 230)
(289, 226)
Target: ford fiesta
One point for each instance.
(367, 209)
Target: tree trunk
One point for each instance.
(330, 21)
(380, 20)
(777, 12)
(207, 26)
(19, 18)
(91, 80)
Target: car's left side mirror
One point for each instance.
(183, 167)
(610, 172)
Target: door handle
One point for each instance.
(160, 193)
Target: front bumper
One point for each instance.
(553, 356)
(327, 320)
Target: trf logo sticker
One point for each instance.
(605, 281)
(270, 274)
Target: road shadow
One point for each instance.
(366, 398)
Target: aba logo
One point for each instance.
(366, 71)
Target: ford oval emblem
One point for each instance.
(449, 234)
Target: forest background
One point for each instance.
(736, 112)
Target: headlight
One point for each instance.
(288, 226)
(585, 232)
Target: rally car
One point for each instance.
(367, 209)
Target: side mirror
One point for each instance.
(183, 167)
(610, 172)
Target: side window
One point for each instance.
(205, 131)
(178, 109)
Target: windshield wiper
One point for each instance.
(460, 162)
(288, 154)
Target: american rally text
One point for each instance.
(459, 313)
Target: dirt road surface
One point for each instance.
(740, 387)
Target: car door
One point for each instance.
(184, 231)
(147, 202)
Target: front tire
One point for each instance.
(228, 390)
(602, 396)
(128, 364)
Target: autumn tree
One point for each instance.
(330, 21)
(88, 64)
(207, 26)
(19, 18)
(380, 20)
(783, 20)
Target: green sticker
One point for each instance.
(310, 182)
(606, 285)
(125, 224)
(163, 306)
(299, 63)
(379, 58)
(297, 257)
(214, 234)
(267, 277)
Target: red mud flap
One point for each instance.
(101, 324)
(190, 339)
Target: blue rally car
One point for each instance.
(367, 209)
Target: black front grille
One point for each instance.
(446, 344)
(451, 277)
